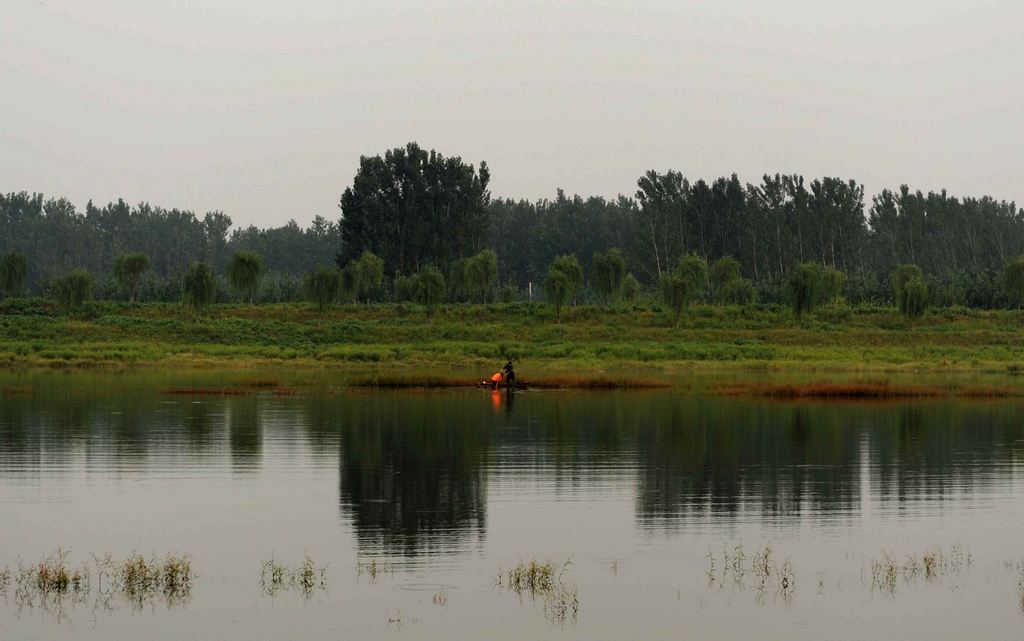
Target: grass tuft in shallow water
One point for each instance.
(372, 568)
(306, 577)
(544, 580)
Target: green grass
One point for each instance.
(585, 341)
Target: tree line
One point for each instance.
(416, 210)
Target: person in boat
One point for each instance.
(496, 380)
(509, 374)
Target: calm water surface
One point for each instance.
(445, 488)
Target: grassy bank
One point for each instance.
(401, 341)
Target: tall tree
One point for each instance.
(244, 273)
(412, 207)
(128, 269)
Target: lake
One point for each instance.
(664, 513)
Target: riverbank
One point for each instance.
(402, 341)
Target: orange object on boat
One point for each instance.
(496, 378)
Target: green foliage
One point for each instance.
(481, 272)
(430, 288)
(898, 281)
(369, 271)
(244, 273)
(805, 288)
(1013, 280)
(832, 282)
(199, 288)
(73, 290)
(684, 284)
(608, 274)
(915, 298)
(322, 286)
(723, 274)
(128, 269)
(13, 271)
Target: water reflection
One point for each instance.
(413, 473)
(414, 469)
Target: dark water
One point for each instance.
(443, 489)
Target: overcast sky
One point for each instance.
(262, 109)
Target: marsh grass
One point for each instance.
(931, 566)
(544, 581)
(306, 577)
(441, 598)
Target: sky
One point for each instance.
(262, 109)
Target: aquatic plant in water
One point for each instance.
(544, 580)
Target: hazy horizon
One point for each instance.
(262, 110)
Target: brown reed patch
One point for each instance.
(860, 390)
(546, 383)
(244, 390)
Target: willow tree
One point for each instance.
(430, 288)
(558, 288)
(73, 290)
(832, 283)
(915, 298)
(723, 273)
(13, 271)
(631, 288)
(898, 281)
(322, 287)
(1013, 280)
(369, 269)
(481, 272)
(608, 274)
(569, 266)
(244, 273)
(128, 269)
(199, 288)
(805, 288)
(684, 284)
